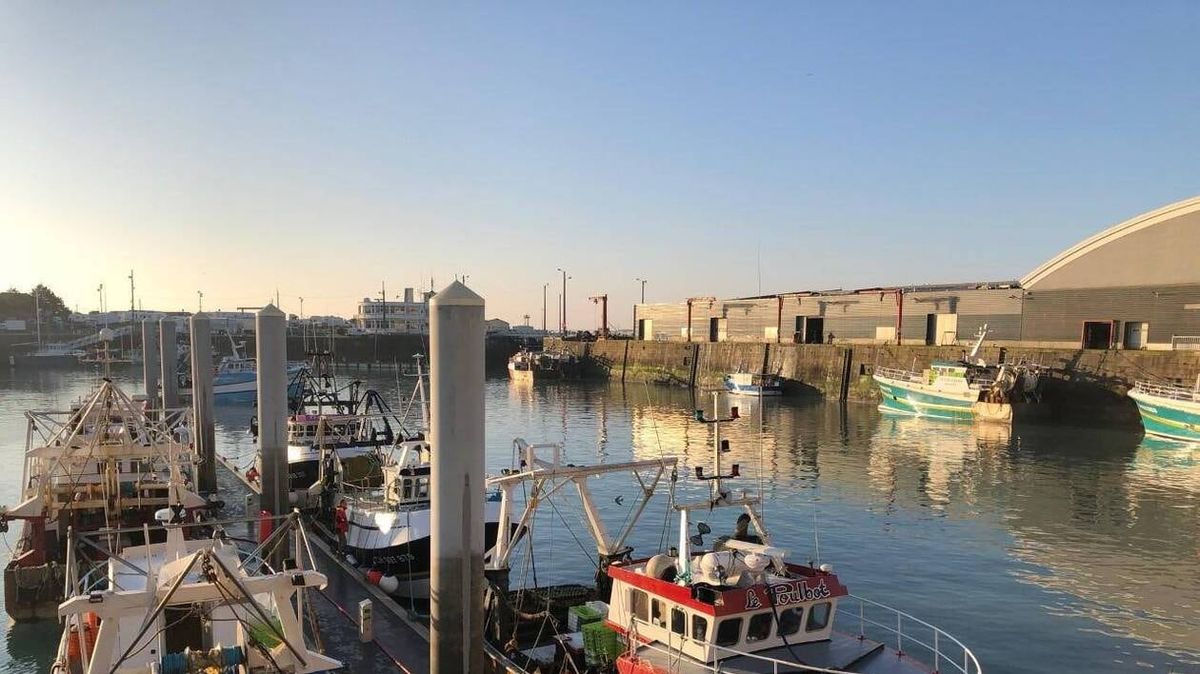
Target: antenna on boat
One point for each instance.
(973, 356)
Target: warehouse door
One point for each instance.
(717, 330)
(1097, 334)
(1137, 333)
(645, 329)
(809, 330)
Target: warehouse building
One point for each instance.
(1135, 285)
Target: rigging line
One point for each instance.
(572, 532)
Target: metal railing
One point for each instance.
(1169, 391)
(903, 375)
(945, 649)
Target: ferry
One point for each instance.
(535, 365)
(960, 390)
(204, 605)
(1169, 411)
(103, 464)
(754, 384)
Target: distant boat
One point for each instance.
(1169, 411)
(237, 376)
(965, 390)
(754, 384)
(50, 355)
(534, 365)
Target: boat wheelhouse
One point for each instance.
(1169, 411)
(754, 384)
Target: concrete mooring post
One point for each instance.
(202, 402)
(150, 370)
(456, 433)
(270, 327)
(169, 357)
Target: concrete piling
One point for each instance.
(456, 433)
(271, 347)
(202, 402)
(150, 369)
(169, 360)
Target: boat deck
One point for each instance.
(841, 652)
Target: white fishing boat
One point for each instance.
(236, 376)
(754, 384)
(103, 464)
(192, 606)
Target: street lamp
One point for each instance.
(563, 322)
(643, 282)
(200, 294)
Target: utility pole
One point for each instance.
(37, 313)
(643, 282)
(132, 305)
(200, 294)
(545, 287)
(602, 300)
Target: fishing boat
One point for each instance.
(192, 606)
(535, 365)
(1169, 411)
(50, 355)
(103, 464)
(961, 390)
(236, 376)
(390, 523)
(754, 384)
(739, 606)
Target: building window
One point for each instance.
(818, 617)
(699, 628)
(759, 627)
(678, 620)
(789, 621)
(638, 605)
(729, 631)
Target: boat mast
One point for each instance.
(972, 357)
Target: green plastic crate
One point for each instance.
(578, 616)
(601, 644)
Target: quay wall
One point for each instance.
(1080, 385)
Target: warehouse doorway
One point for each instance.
(1137, 333)
(1097, 334)
(941, 329)
(809, 330)
(645, 329)
(717, 330)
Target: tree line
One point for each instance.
(23, 306)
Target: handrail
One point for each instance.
(896, 373)
(1169, 391)
(969, 664)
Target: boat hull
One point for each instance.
(1168, 418)
(899, 397)
(33, 592)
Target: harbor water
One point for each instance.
(1044, 549)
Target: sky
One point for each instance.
(322, 150)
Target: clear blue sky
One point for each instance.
(322, 148)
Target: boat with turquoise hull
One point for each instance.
(1168, 411)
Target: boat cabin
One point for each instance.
(724, 603)
(407, 479)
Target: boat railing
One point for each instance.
(896, 373)
(1169, 391)
(907, 631)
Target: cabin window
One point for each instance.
(789, 621)
(657, 613)
(699, 628)
(818, 617)
(759, 627)
(423, 487)
(729, 631)
(678, 621)
(638, 605)
(408, 490)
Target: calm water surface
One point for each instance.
(1044, 549)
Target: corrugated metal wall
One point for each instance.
(848, 316)
(1058, 315)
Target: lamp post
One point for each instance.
(545, 287)
(200, 294)
(563, 326)
(643, 282)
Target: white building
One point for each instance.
(409, 316)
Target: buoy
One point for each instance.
(389, 584)
(373, 576)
